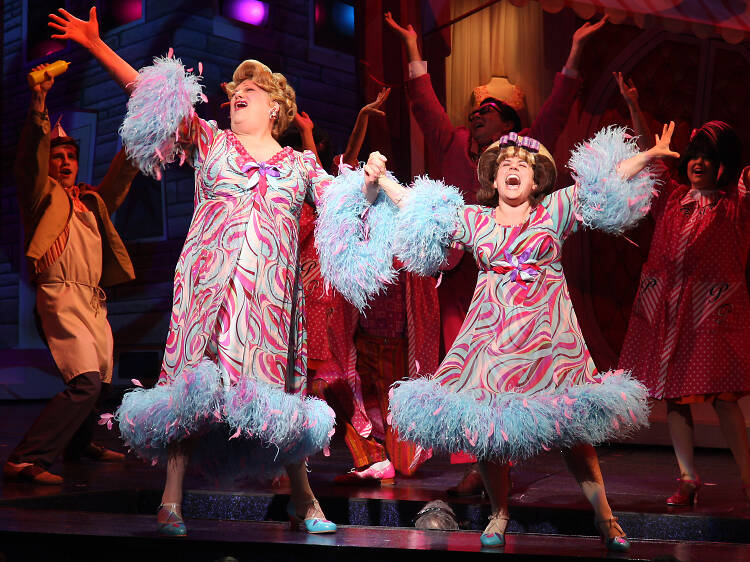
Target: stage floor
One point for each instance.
(551, 519)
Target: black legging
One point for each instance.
(68, 418)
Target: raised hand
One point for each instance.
(585, 32)
(374, 107)
(407, 34)
(661, 148)
(303, 122)
(85, 33)
(44, 87)
(627, 88)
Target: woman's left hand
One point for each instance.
(375, 167)
(661, 148)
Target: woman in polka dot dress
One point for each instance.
(688, 335)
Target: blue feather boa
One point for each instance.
(164, 95)
(425, 224)
(606, 201)
(248, 430)
(516, 426)
(354, 239)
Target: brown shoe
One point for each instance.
(30, 473)
(471, 484)
(98, 453)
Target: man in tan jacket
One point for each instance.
(72, 249)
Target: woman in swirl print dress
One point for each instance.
(519, 379)
(232, 383)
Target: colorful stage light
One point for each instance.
(253, 12)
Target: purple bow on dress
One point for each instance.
(255, 170)
(518, 266)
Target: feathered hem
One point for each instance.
(516, 426)
(251, 430)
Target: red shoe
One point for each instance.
(380, 472)
(686, 494)
(471, 484)
(30, 473)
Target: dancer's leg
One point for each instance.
(302, 495)
(583, 463)
(496, 477)
(680, 421)
(177, 463)
(733, 426)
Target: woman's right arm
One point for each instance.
(86, 34)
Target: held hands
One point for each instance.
(661, 148)
(627, 88)
(375, 168)
(374, 107)
(85, 33)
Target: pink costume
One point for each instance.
(235, 363)
(453, 146)
(689, 329)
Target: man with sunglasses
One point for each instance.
(458, 149)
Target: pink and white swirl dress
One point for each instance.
(235, 363)
(518, 379)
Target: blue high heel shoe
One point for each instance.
(314, 525)
(174, 526)
(613, 544)
(492, 537)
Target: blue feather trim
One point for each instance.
(425, 225)
(354, 239)
(249, 430)
(606, 201)
(164, 95)
(516, 426)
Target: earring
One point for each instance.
(274, 113)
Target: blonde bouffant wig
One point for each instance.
(274, 84)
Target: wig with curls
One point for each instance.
(544, 173)
(274, 84)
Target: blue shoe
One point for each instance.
(613, 544)
(494, 534)
(314, 525)
(173, 526)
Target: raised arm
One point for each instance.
(553, 115)
(630, 95)
(357, 138)
(32, 160)
(630, 167)
(305, 127)
(430, 115)
(86, 34)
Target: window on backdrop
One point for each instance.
(116, 13)
(334, 25)
(38, 46)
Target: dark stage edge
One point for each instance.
(82, 536)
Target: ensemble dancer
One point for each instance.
(687, 340)
(519, 379)
(232, 385)
(73, 250)
(459, 148)
(397, 335)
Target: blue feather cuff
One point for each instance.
(248, 430)
(425, 224)
(164, 95)
(605, 200)
(516, 426)
(354, 239)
